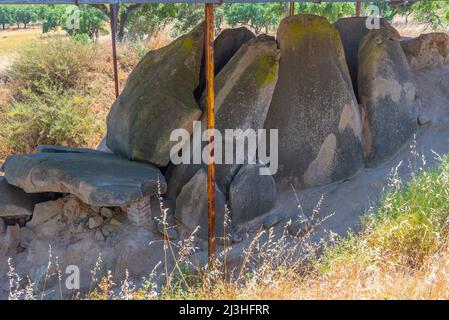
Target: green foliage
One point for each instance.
(52, 117)
(435, 13)
(259, 16)
(56, 62)
(150, 19)
(6, 16)
(332, 11)
(409, 225)
(19, 15)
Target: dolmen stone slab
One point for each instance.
(227, 43)
(191, 206)
(352, 30)
(251, 194)
(157, 98)
(314, 107)
(387, 96)
(14, 202)
(427, 50)
(244, 89)
(97, 179)
(61, 149)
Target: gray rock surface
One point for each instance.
(387, 96)
(191, 206)
(318, 121)
(251, 195)
(427, 50)
(352, 30)
(98, 179)
(16, 202)
(227, 43)
(157, 98)
(244, 89)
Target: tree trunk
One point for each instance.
(122, 25)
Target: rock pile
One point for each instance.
(304, 84)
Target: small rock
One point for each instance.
(2, 226)
(272, 219)
(236, 238)
(108, 230)
(95, 209)
(95, 222)
(45, 211)
(115, 222)
(99, 236)
(299, 226)
(172, 233)
(106, 212)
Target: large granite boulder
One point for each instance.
(251, 194)
(427, 50)
(98, 179)
(352, 30)
(191, 206)
(61, 149)
(14, 202)
(227, 43)
(158, 98)
(244, 89)
(314, 107)
(387, 95)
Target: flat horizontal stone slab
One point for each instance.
(60, 149)
(98, 179)
(14, 202)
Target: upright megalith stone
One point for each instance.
(314, 107)
(244, 89)
(227, 43)
(98, 179)
(14, 202)
(191, 206)
(251, 194)
(352, 30)
(387, 95)
(427, 50)
(158, 98)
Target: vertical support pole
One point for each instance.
(210, 97)
(357, 8)
(292, 8)
(113, 20)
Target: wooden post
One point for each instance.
(210, 96)
(113, 20)
(357, 8)
(292, 8)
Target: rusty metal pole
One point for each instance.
(210, 97)
(292, 8)
(113, 20)
(357, 8)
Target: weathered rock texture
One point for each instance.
(61, 149)
(15, 202)
(427, 50)
(191, 206)
(314, 106)
(244, 89)
(158, 98)
(352, 30)
(227, 43)
(251, 194)
(95, 178)
(387, 94)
